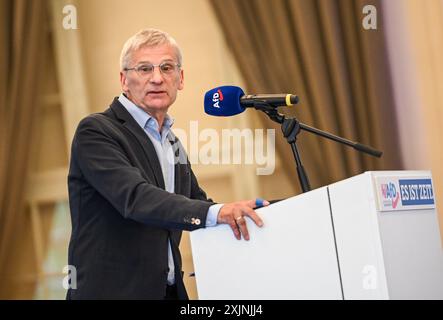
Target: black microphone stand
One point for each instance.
(291, 127)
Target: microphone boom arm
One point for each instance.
(291, 127)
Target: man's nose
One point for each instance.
(156, 76)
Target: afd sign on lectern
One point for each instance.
(372, 236)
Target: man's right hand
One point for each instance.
(234, 214)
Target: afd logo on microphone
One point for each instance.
(223, 101)
(216, 98)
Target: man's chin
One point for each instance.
(156, 105)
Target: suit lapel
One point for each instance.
(177, 172)
(128, 121)
(181, 169)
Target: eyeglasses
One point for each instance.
(146, 70)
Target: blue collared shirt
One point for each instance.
(165, 154)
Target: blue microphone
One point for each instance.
(227, 101)
(224, 101)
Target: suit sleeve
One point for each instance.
(105, 166)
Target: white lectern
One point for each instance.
(372, 236)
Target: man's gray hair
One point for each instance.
(147, 38)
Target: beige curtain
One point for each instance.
(21, 51)
(319, 50)
(423, 22)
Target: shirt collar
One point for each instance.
(143, 118)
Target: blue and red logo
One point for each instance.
(216, 98)
(390, 194)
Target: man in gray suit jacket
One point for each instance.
(131, 188)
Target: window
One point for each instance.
(50, 283)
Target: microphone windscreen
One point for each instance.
(224, 101)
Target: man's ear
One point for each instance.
(123, 81)
(182, 79)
